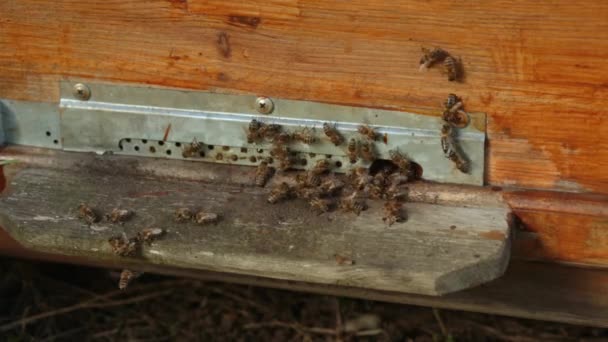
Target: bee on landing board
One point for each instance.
(204, 217)
(332, 133)
(148, 235)
(119, 215)
(88, 214)
(367, 132)
(393, 212)
(451, 150)
(279, 193)
(331, 186)
(402, 162)
(270, 131)
(394, 190)
(321, 167)
(126, 277)
(431, 57)
(192, 149)
(360, 178)
(352, 150)
(321, 205)
(263, 173)
(253, 131)
(353, 203)
(123, 246)
(281, 153)
(367, 151)
(182, 215)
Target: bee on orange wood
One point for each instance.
(453, 68)
(431, 57)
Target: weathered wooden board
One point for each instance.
(537, 68)
(440, 249)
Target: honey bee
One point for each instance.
(88, 214)
(431, 57)
(281, 192)
(282, 155)
(452, 67)
(305, 136)
(352, 150)
(402, 162)
(253, 131)
(182, 215)
(148, 235)
(360, 178)
(321, 205)
(119, 215)
(203, 217)
(263, 173)
(331, 186)
(368, 132)
(321, 167)
(343, 261)
(192, 149)
(306, 192)
(367, 151)
(393, 212)
(451, 149)
(123, 246)
(454, 112)
(281, 138)
(126, 277)
(332, 133)
(353, 203)
(270, 131)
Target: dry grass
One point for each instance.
(47, 302)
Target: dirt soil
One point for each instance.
(52, 302)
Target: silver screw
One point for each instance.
(264, 105)
(81, 91)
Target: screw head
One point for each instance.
(81, 91)
(264, 105)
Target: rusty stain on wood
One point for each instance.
(493, 235)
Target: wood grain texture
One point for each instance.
(537, 68)
(437, 251)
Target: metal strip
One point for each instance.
(156, 122)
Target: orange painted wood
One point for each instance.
(561, 227)
(537, 68)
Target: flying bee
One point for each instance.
(452, 67)
(332, 133)
(253, 131)
(203, 217)
(88, 214)
(431, 57)
(321, 205)
(367, 151)
(123, 246)
(148, 235)
(353, 203)
(263, 173)
(119, 215)
(393, 212)
(321, 167)
(352, 150)
(182, 215)
(367, 132)
(126, 277)
(279, 193)
(402, 162)
(451, 149)
(305, 136)
(192, 149)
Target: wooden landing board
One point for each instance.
(440, 249)
(537, 68)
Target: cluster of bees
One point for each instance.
(325, 191)
(453, 116)
(452, 66)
